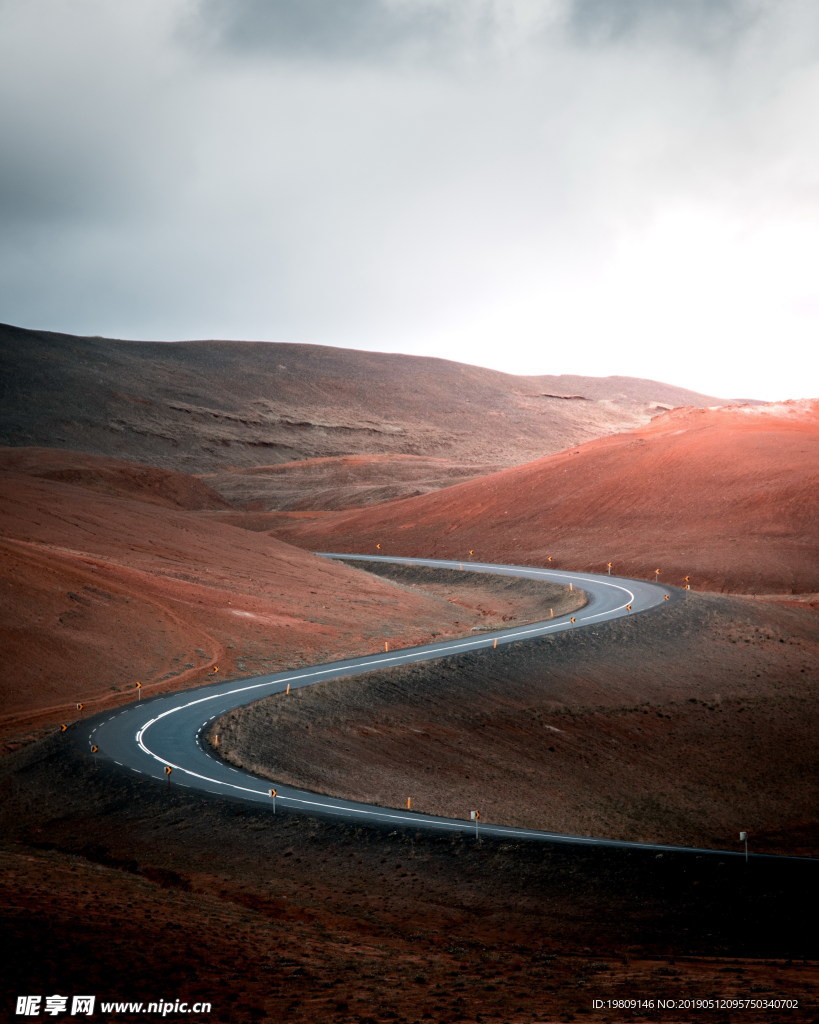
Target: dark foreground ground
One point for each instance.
(125, 889)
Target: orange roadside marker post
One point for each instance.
(608, 566)
(138, 686)
(409, 803)
(628, 607)
(273, 795)
(573, 619)
(656, 575)
(168, 771)
(63, 727)
(79, 706)
(288, 689)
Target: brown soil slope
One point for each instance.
(346, 481)
(207, 405)
(729, 497)
(99, 590)
(114, 477)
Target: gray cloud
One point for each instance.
(710, 24)
(342, 30)
(499, 181)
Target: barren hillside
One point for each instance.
(729, 497)
(113, 573)
(208, 405)
(344, 481)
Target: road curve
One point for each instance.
(168, 731)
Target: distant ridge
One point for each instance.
(204, 406)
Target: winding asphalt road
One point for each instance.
(168, 731)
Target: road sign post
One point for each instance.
(138, 686)
(273, 795)
(743, 838)
(168, 771)
(476, 817)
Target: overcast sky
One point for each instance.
(540, 186)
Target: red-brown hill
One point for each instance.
(729, 497)
(114, 477)
(104, 582)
